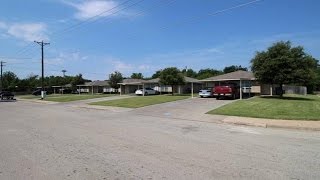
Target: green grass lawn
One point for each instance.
(140, 101)
(289, 107)
(67, 97)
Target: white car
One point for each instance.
(205, 93)
(147, 91)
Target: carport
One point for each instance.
(130, 85)
(242, 79)
(61, 88)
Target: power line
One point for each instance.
(168, 2)
(91, 18)
(194, 19)
(14, 58)
(99, 19)
(88, 20)
(75, 25)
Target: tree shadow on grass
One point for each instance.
(288, 98)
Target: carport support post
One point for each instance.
(192, 89)
(240, 89)
(142, 89)
(92, 89)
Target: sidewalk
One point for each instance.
(266, 123)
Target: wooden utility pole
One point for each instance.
(42, 66)
(1, 64)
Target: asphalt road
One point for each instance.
(60, 141)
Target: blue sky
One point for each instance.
(147, 35)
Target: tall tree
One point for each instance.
(156, 74)
(137, 76)
(284, 64)
(78, 79)
(171, 76)
(114, 79)
(317, 82)
(206, 73)
(234, 68)
(10, 80)
(189, 73)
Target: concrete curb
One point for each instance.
(38, 101)
(271, 123)
(110, 108)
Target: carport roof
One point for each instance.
(156, 80)
(132, 82)
(96, 83)
(237, 75)
(67, 85)
(191, 80)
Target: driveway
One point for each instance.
(189, 109)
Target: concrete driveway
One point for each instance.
(189, 109)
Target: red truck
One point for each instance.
(227, 91)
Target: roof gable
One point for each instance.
(237, 75)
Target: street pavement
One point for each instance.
(168, 141)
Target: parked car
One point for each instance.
(147, 91)
(6, 95)
(206, 92)
(227, 91)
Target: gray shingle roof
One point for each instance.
(191, 80)
(96, 83)
(237, 75)
(187, 79)
(132, 81)
(156, 80)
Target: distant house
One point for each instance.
(244, 77)
(247, 79)
(131, 85)
(60, 89)
(96, 87)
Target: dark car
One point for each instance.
(6, 95)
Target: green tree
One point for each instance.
(77, 80)
(33, 81)
(114, 79)
(137, 76)
(234, 68)
(156, 74)
(189, 73)
(317, 82)
(206, 73)
(10, 80)
(284, 64)
(171, 76)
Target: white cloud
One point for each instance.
(63, 57)
(3, 25)
(120, 65)
(88, 9)
(25, 31)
